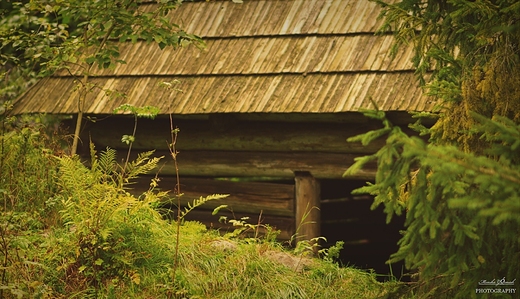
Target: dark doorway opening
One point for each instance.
(369, 240)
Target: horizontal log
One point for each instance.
(244, 197)
(261, 164)
(232, 135)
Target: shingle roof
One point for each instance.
(281, 56)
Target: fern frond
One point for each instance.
(143, 157)
(73, 174)
(143, 164)
(106, 166)
(217, 209)
(68, 211)
(107, 161)
(200, 201)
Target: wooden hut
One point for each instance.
(275, 95)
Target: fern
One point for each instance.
(68, 211)
(110, 230)
(74, 175)
(105, 169)
(200, 201)
(107, 165)
(143, 164)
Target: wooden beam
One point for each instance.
(260, 164)
(244, 197)
(233, 135)
(307, 195)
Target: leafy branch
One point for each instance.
(76, 35)
(146, 112)
(454, 201)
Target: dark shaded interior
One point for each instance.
(369, 240)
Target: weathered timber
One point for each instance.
(401, 118)
(233, 135)
(307, 216)
(244, 197)
(258, 164)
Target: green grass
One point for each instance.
(210, 266)
(247, 271)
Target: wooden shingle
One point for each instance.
(262, 56)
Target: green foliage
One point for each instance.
(109, 235)
(57, 33)
(27, 168)
(76, 35)
(141, 112)
(462, 210)
(27, 204)
(113, 237)
(467, 53)
(21, 271)
(460, 192)
(332, 253)
(251, 269)
(243, 229)
(106, 169)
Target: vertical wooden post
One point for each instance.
(307, 201)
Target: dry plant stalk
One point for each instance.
(177, 190)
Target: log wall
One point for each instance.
(224, 146)
(261, 202)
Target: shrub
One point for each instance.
(27, 169)
(462, 209)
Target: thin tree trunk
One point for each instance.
(81, 108)
(84, 90)
(76, 134)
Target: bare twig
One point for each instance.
(130, 145)
(173, 152)
(259, 223)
